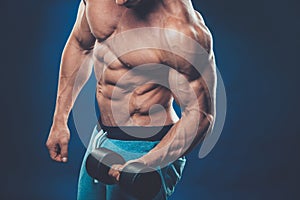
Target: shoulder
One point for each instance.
(193, 27)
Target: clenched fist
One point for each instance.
(58, 141)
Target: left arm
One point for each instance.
(194, 90)
(197, 118)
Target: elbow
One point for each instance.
(208, 125)
(210, 118)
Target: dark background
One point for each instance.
(257, 49)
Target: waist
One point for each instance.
(134, 133)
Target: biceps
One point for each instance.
(81, 33)
(191, 94)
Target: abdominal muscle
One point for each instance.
(132, 98)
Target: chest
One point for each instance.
(128, 44)
(123, 33)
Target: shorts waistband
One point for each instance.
(134, 133)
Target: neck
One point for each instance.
(178, 8)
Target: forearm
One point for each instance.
(197, 118)
(75, 69)
(182, 137)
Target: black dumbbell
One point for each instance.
(136, 179)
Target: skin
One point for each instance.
(98, 22)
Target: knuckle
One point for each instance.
(48, 144)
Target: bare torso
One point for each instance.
(126, 94)
(144, 57)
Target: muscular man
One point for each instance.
(145, 53)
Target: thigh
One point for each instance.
(114, 192)
(171, 175)
(88, 188)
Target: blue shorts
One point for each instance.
(90, 189)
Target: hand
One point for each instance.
(115, 170)
(57, 142)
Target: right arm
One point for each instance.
(75, 69)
